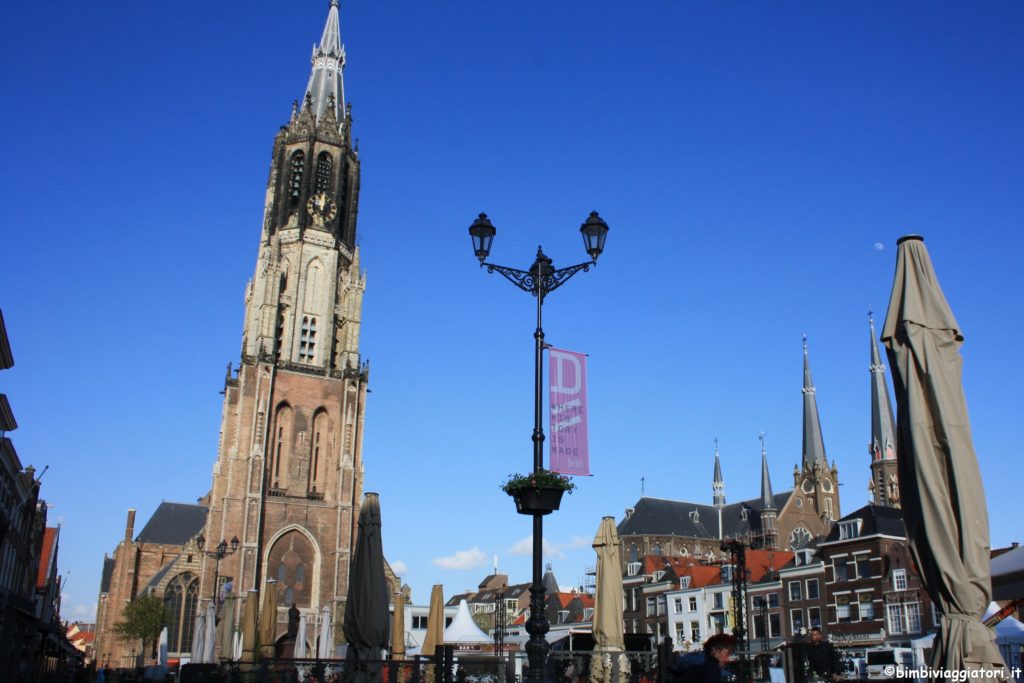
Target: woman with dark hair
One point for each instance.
(707, 666)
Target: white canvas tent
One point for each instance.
(463, 629)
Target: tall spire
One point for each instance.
(814, 445)
(883, 440)
(325, 78)
(718, 485)
(767, 499)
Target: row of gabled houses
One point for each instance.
(858, 584)
(33, 645)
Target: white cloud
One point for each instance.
(879, 246)
(524, 546)
(399, 567)
(84, 612)
(462, 559)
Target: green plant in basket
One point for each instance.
(541, 479)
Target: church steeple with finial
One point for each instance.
(884, 485)
(813, 443)
(718, 484)
(769, 513)
(767, 499)
(326, 88)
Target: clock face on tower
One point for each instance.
(322, 208)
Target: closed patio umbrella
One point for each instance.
(435, 622)
(300, 639)
(607, 620)
(210, 638)
(268, 619)
(250, 648)
(227, 628)
(398, 627)
(940, 483)
(366, 607)
(325, 642)
(199, 638)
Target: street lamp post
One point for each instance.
(541, 279)
(218, 554)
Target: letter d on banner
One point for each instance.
(569, 452)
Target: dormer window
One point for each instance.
(726, 572)
(695, 517)
(632, 569)
(850, 529)
(684, 582)
(658, 574)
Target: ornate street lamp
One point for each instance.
(541, 279)
(218, 554)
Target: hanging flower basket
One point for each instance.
(537, 493)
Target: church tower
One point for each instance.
(769, 513)
(288, 478)
(884, 484)
(816, 484)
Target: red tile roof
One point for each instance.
(46, 556)
(760, 561)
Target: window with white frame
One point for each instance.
(588, 613)
(812, 589)
(716, 601)
(794, 591)
(895, 618)
(650, 607)
(796, 620)
(913, 613)
(632, 569)
(842, 608)
(899, 579)
(773, 600)
(677, 605)
(680, 633)
(684, 581)
(658, 574)
(774, 625)
(693, 603)
(849, 529)
(661, 605)
(839, 570)
(864, 566)
(936, 616)
(695, 631)
(814, 617)
(867, 606)
(726, 573)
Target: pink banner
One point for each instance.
(567, 372)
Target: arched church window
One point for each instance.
(657, 549)
(319, 440)
(281, 571)
(297, 168)
(633, 554)
(180, 600)
(282, 428)
(300, 573)
(289, 596)
(324, 162)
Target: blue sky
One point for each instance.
(756, 163)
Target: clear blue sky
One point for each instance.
(756, 163)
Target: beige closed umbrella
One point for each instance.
(398, 627)
(941, 492)
(435, 622)
(249, 633)
(227, 627)
(268, 619)
(607, 621)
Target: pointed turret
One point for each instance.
(767, 499)
(718, 483)
(882, 448)
(328, 63)
(883, 439)
(813, 445)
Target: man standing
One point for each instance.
(822, 658)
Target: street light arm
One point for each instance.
(527, 281)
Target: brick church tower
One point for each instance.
(289, 473)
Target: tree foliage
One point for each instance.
(142, 619)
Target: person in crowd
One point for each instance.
(821, 656)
